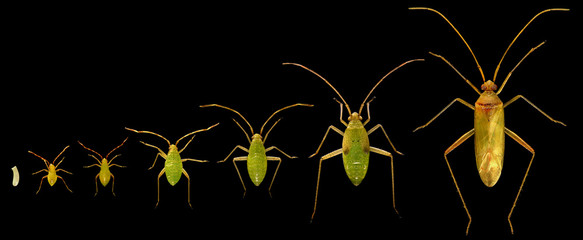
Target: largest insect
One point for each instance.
(355, 145)
(489, 129)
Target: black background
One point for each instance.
(85, 72)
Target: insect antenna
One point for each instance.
(268, 131)
(293, 105)
(458, 33)
(197, 131)
(315, 73)
(59, 156)
(246, 135)
(153, 133)
(91, 150)
(230, 109)
(379, 82)
(44, 160)
(503, 55)
(124, 141)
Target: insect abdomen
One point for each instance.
(489, 138)
(356, 152)
(257, 162)
(173, 167)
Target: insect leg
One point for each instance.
(446, 107)
(383, 129)
(462, 139)
(329, 155)
(41, 184)
(388, 154)
(368, 111)
(269, 158)
(194, 160)
(535, 107)
(112, 184)
(160, 153)
(242, 158)
(188, 178)
(530, 149)
(96, 185)
(274, 147)
(341, 106)
(61, 170)
(65, 183)
(238, 146)
(159, 176)
(510, 73)
(115, 165)
(325, 135)
(42, 170)
(92, 165)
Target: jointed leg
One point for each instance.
(329, 155)
(188, 178)
(64, 183)
(341, 106)
(325, 135)
(446, 107)
(535, 107)
(42, 170)
(41, 184)
(238, 146)
(388, 154)
(194, 160)
(112, 184)
(382, 128)
(186, 144)
(159, 176)
(368, 111)
(160, 153)
(530, 149)
(237, 159)
(269, 158)
(462, 139)
(96, 185)
(273, 147)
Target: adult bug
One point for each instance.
(355, 144)
(51, 170)
(173, 162)
(256, 157)
(489, 129)
(104, 174)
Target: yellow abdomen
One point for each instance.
(489, 137)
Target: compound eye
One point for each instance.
(483, 87)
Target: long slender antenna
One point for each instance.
(44, 160)
(91, 150)
(379, 82)
(60, 155)
(107, 156)
(200, 130)
(315, 73)
(544, 11)
(293, 105)
(153, 133)
(230, 109)
(458, 33)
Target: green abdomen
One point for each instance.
(355, 154)
(257, 162)
(173, 168)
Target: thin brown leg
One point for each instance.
(530, 149)
(462, 139)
